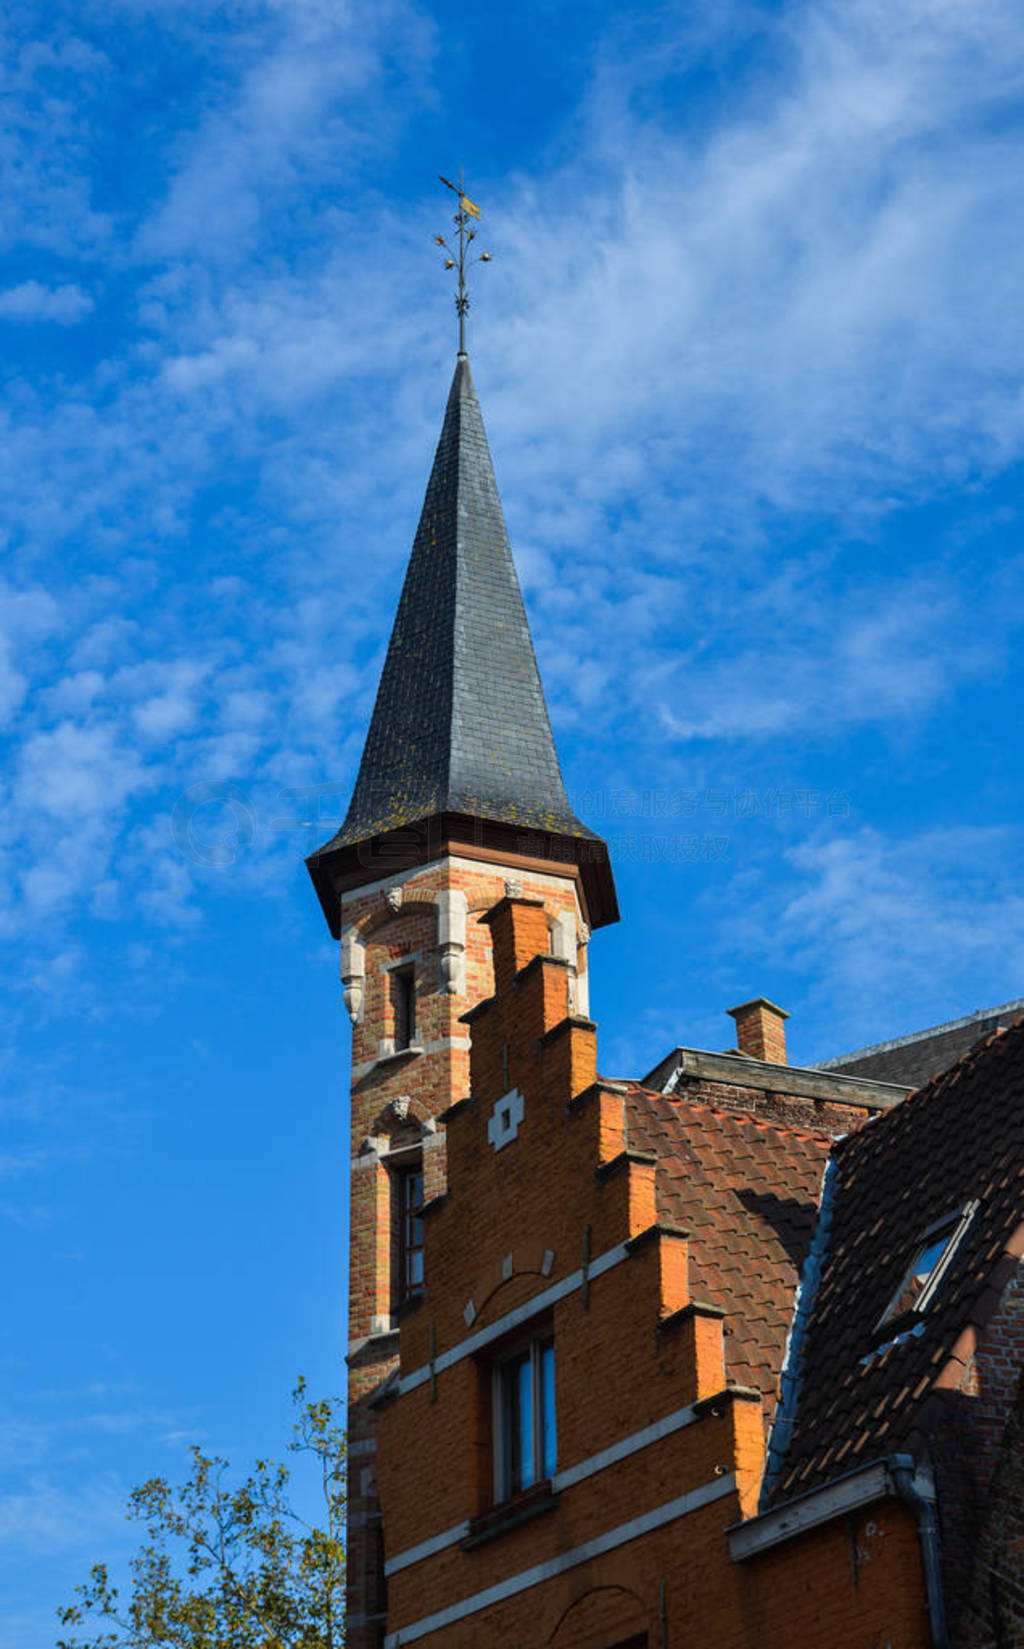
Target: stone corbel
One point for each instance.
(353, 973)
(452, 907)
(563, 945)
(583, 973)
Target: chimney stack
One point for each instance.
(761, 1030)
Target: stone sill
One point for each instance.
(533, 1503)
(398, 1054)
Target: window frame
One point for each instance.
(407, 1166)
(508, 1485)
(402, 988)
(957, 1223)
(406, 1174)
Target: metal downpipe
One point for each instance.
(902, 1468)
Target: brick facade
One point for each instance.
(581, 1310)
(659, 1453)
(397, 1096)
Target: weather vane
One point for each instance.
(467, 214)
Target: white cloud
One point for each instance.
(33, 302)
(297, 106)
(806, 296)
(688, 330)
(45, 1517)
(891, 930)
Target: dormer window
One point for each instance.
(928, 1265)
(403, 1006)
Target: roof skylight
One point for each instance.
(928, 1265)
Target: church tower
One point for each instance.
(459, 802)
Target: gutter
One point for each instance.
(895, 1476)
(791, 1376)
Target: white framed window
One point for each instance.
(928, 1265)
(525, 1430)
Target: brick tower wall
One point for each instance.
(420, 919)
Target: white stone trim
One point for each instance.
(456, 862)
(385, 883)
(427, 1548)
(705, 1495)
(624, 1447)
(562, 1480)
(508, 1113)
(443, 1044)
(353, 973)
(411, 959)
(843, 1494)
(452, 914)
(512, 1319)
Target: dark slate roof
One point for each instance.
(460, 725)
(913, 1060)
(746, 1191)
(865, 1391)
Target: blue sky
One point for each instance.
(751, 356)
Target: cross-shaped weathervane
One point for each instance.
(467, 214)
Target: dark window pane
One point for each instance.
(403, 1006)
(919, 1273)
(524, 1382)
(410, 1231)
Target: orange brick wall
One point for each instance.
(424, 1085)
(851, 1584)
(631, 1349)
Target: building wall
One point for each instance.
(979, 1446)
(853, 1583)
(558, 1226)
(396, 1100)
(792, 1110)
(556, 1230)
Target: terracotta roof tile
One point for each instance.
(747, 1190)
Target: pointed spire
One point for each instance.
(460, 734)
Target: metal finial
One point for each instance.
(456, 258)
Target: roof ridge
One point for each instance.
(935, 1083)
(458, 379)
(676, 1100)
(913, 1037)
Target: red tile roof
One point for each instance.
(747, 1192)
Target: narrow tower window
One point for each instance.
(403, 1006)
(410, 1231)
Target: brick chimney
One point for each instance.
(761, 1030)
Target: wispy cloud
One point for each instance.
(33, 302)
(703, 323)
(886, 930)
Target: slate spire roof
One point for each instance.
(460, 726)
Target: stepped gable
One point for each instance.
(747, 1192)
(867, 1390)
